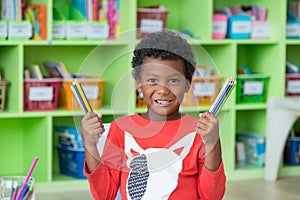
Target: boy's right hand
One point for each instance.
(92, 129)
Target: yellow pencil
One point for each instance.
(83, 96)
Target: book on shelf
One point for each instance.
(57, 70)
(37, 14)
(33, 71)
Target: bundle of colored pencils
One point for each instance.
(81, 97)
(222, 96)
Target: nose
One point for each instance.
(162, 89)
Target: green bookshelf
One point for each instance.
(28, 134)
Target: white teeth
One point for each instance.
(162, 102)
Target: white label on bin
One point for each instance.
(220, 27)
(3, 30)
(293, 86)
(21, 30)
(91, 91)
(76, 30)
(41, 94)
(97, 30)
(293, 30)
(241, 27)
(58, 31)
(204, 89)
(253, 87)
(151, 25)
(260, 30)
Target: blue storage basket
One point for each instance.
(292, 151)
(69, 136)
(71, 161)
(239, 27)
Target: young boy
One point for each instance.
(160, 154)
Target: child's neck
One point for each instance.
(154, 117)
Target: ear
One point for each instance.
(138, 85)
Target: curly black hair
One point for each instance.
(165, 45)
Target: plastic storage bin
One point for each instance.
(255, 147)
(239, 27)
(292, 151)
(93, 88)
(260, 30)
(68, 23)
(252, 88)
(150, 20)
(292, 85)
(203, 91)
(219, 26)
(41, 94)
(68, 136)
(71, 161)
(3, 30)
(3, 85)
(292, 26)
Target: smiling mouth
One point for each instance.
(163, 102)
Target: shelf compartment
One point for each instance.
(265, 59)
(9, 60)
(182, 13)
(22, 140)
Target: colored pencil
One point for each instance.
(83, 96)
(27, 178)
(78, 97)
(222, 96)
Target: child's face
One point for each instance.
(163, 85)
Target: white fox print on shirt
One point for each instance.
(154, 171)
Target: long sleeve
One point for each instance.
(104, 181)
(211, 184)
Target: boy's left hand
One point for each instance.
(208, 128)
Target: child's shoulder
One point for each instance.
(126, 118)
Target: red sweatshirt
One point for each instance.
(155, 160)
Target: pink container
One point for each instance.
(41, 94)
(219, 26)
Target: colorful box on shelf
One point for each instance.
(68, 136)
(93, 88)
(260, 30)
(97, 30)
(3, 29)
(239, 27)
(41, 94)
(252, 88)
(68, 23)
(19, 30)
(203, 91)
(292, 26)
(292, 151)
(292, 84)
(219, 26)
(293, 29)
(151, 20)
(58, 30)
(71, 161)
(255, 147)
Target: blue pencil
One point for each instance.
(78, 97)
(222, 96)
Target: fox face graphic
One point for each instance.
(154, 171)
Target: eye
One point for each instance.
(152, 80)
(174, 80)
